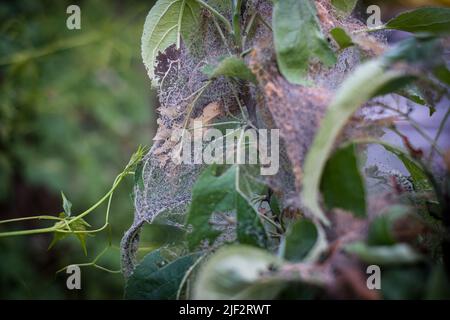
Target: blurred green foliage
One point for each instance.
(74, 105)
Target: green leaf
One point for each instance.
(222, 189)
(342, 185)
(157, 279)
(344, 6)
(351, 95)
(395, 85)
(82, 239)
(230, 67)
(79, 225)
(384, 255)
(426, 20)
(424, 52)
(300, 239)
(418, 175)
(275, 205)
(403, 282)
(238, 272)
(208, 194)
(57, 236)
(67, 205)
(342, 38)
(417, 172)
(138, 178)
(413, 93)
(166, 24)
(443, 74)
(380, 230)
(298, 39)
(416, 50)
(438, 287)
(156, 235)
(249, 229)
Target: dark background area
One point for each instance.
(74, 106)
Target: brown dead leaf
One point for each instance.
(323, 13)
(162, 134)
(170, 112)
(210, 112)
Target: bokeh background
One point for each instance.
(74, 106)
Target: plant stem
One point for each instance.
(236, 96)
(264, 22)
(439, 132)
(237, 4)
(27, 232)
(57, 228)
(215, 124)
(248, 29)
(31, 218)
(382, 27)
(192, 104)
(415, 125)
(137, 156)
(187, 274)
(189, 113)
(93, 263)
(217, 14)
(222, 36)
(98, 203)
